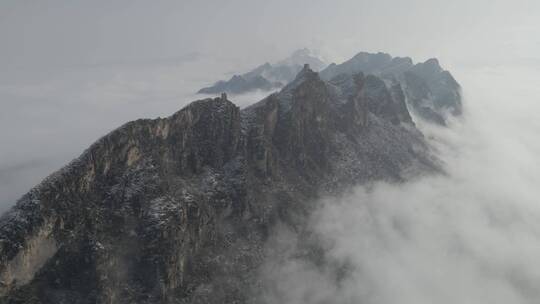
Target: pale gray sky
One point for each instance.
(37, 34)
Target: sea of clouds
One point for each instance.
(470, 235)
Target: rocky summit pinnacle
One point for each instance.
(179, 209)
(431, 92)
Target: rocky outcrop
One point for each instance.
(178, 209)
(430, 92)
(436, 85)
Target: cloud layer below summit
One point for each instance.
(469, 236)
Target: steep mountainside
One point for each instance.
(178, 209)
(266, 77)
(431, 92)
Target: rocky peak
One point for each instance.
(305, 71)
(367, 63)
(434, 63)
(430, 67)
(237, 78)
(303, 56)
(429, 91)
(305, 74)
(434, 90)
(375, 58)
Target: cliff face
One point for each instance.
(178, 210)
(431, 92)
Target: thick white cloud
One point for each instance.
(471, 235)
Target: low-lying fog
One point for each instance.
(470, 236)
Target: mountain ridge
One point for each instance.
(178, 209)
(432, 92)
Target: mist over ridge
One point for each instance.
(469, 235)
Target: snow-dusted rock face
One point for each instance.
(430, 91)
(178, 210)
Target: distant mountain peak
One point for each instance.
(302, 52)
(303, 56)
(268, 76)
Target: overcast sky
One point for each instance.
(56, 34)
(71, 71)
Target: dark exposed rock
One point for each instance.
(444, 88)
(178, 210)
(431, 92)
(368, 63)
